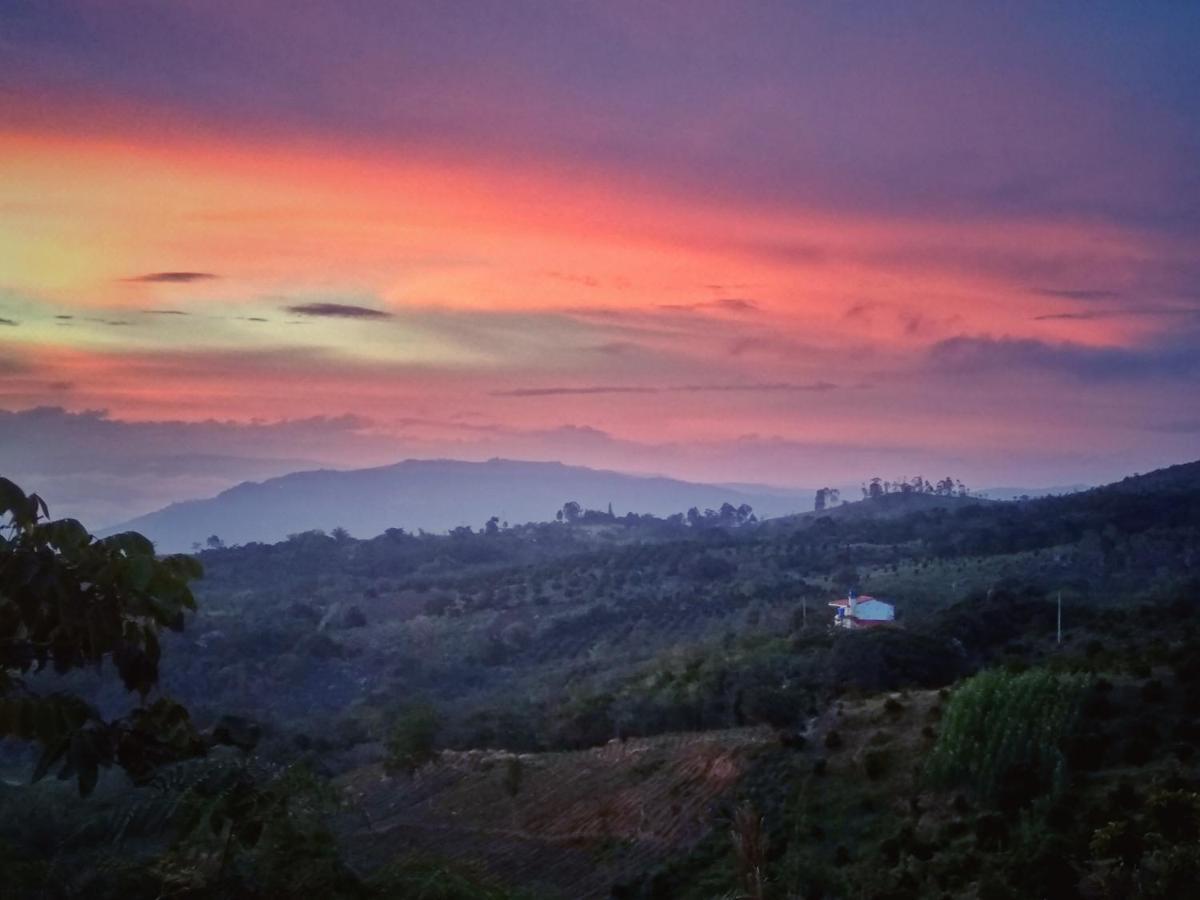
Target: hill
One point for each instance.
(434, 495)
(1027, 493)
(614, 697)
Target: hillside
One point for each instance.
(526, 620)
(567, 825)
(888, 506)
(648, 678)
(434, 495)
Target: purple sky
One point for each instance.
(784, 242)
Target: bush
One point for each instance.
(876, 764)
(433, 879)
(411, 742)
(1153, 691)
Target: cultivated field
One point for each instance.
(566, 824)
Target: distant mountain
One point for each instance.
(434, 495)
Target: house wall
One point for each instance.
(874, 610)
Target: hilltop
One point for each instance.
(433, 495)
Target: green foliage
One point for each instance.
(751, 844)
(241, 823)
(1001, 728)
(68, 601)
(227, 825)
(411, 742)
(1154, 854)
(434, 879)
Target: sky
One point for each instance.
(785, 243)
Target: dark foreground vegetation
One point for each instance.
(632, 706)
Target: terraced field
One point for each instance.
(564, 824)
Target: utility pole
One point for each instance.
(1060, 618)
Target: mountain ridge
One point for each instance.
(431, 495)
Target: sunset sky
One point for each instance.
(792, 243)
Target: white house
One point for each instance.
(862, 612)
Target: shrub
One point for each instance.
(876, 764)
(417, 878)
(411, 743)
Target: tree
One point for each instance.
(513, 775)
(214, 543)
(492, 526)
(411, 742)
(69, 601)
(572, 511)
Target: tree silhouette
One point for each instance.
(69, 601)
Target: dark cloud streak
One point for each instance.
(570, 391)
(337, 311)
(815, 386)
(171, 277)
(728, 304)
(1127, 312)
(1172, 356)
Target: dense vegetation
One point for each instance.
(1004, 732)
(69, 601)
(964, 753)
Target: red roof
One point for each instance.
(865, 598)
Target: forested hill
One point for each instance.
(474, 615)
(434, 495)
(587, 708)
(1158, 501)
